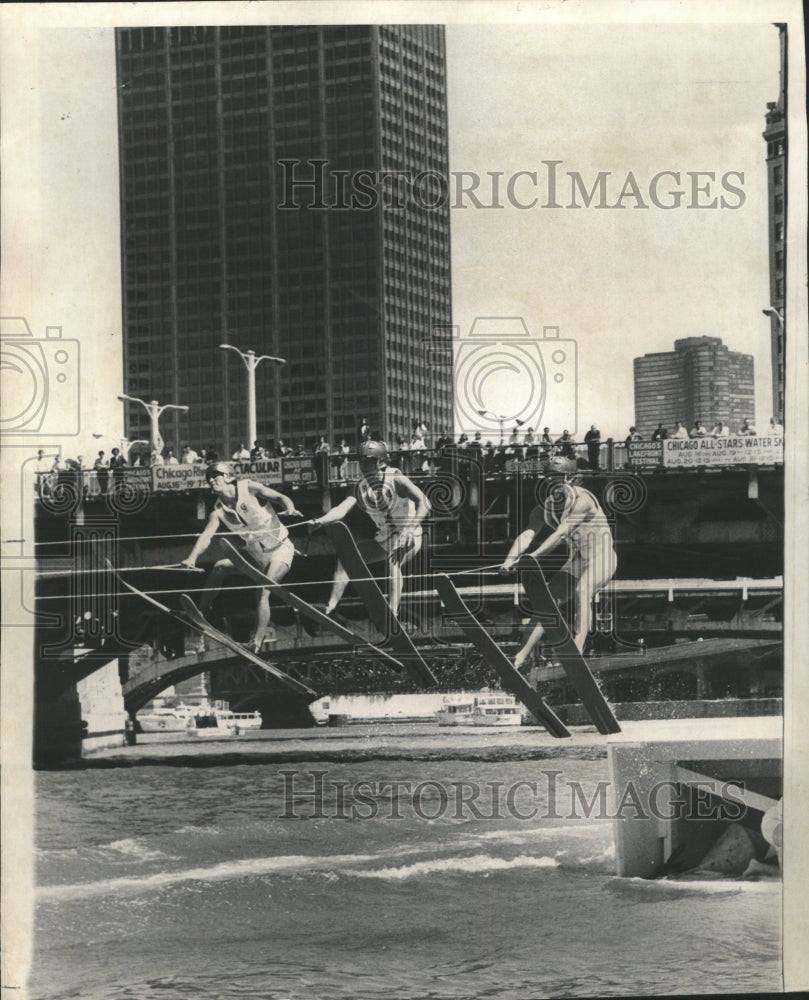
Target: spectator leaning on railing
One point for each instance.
(102, 471)
(680, 432)
(529, 443)
(117, 464)
(748, 428)
(593, 441)
(565, 445)
(343, 451)
(698, 431)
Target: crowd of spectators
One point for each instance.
(721, 429)
(522, 446)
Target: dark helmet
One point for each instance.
(219, 469)
(374, 449)
(560, 465)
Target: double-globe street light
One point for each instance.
(154, 409)
(499, 417)
(251, 362)
(123, 444)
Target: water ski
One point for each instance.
(303, 607)
(379, 611)
(192, 617)
(510, 677)
(557, 635)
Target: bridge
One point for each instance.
(711, 536)
(633, 619)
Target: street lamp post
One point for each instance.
(154, 409)
(251, 362)
(777, 359)
(772, 311)
(502, 419)
(123, 443)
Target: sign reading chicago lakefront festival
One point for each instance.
(645, 453)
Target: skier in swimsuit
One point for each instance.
(396, 506)
(239, 510)
(577, 518)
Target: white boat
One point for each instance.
(218, 722)
(225, 719)
(482, 708)
(165, 720)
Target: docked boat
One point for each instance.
(483, 708)
(225, 719)
(217, 722)
(165, 720)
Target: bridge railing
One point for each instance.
(329, 469)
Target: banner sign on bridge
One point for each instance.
(268, 472)
(645, 453)
(689, 453)
(166, 478)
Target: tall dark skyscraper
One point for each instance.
(775, 135)
(255, 211)
(700, 379)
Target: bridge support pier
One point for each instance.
(88, 716)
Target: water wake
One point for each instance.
(477, 864)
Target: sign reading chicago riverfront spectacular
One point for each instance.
(269, 472)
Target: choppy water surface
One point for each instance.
(196, 881)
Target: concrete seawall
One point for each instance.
(637, 711)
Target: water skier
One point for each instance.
(397, 508)
(577, 518)
(265, 539)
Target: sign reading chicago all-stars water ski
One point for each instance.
(767, 449)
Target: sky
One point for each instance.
(616, 98)
(619, 282)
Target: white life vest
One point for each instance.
(258, 525)
(390, 512)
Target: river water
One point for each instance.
(428, 865)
